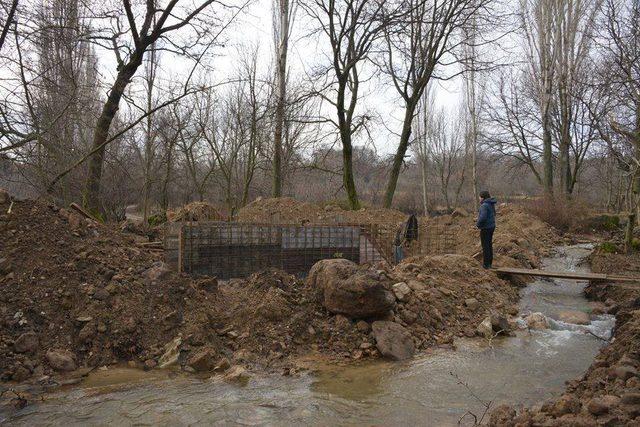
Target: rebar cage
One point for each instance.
(235, 250)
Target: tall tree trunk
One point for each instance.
(398, 159)
(344, 124)
(101, 133)
(283, 45)
(547, 159)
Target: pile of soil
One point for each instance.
(451, 295)
(285, 210)
(75, 291)
(609, 392)
(519, 235)
(195, 211)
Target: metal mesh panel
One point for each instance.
(233, 250)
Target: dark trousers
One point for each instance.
(486, 238)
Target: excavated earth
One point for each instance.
(76, 295)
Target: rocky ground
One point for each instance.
(608, 393)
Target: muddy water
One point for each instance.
(434, 389)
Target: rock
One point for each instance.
(472, 303)
(26, 343)
(363, 326)
(567, 404)
(158, 272)
(624, 372)
(502, 415)
(343, 287)
(222, 365)
(61, 360)
(393, 340)
(602, 405)
(537, 321)
(499, 323)
(101, 294)
(575, 317)
(631, 398)
(366, 345)
(87, 332)
(237, 374)
(202, 360)
(401, 290)
(485, 328)
(171, 353)
(75, 221)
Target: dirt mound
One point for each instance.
(82, 288)
(519, 235)
(285, 210)
(195, 211)
(449, 296)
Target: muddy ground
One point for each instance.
(608, 393)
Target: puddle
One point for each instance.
(433, 389)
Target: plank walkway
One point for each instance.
(567, 275)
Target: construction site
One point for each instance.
(288, 288)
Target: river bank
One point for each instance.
(609, 391)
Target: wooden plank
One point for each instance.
(566, 275)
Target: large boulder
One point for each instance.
(343, 287)
(393, 340)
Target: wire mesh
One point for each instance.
(235, 250)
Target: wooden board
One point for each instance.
(566, 275)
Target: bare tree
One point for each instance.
(282, 17)
(156, 23)
(539, 22)
(428, 36)
(351, 28)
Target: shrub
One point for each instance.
(608, 248)
(635, 244)
(563, 214)
(157, 219)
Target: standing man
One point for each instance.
(487, 224)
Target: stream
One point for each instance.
(434, 389)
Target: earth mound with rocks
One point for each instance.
(75, 293)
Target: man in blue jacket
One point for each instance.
(487, 224)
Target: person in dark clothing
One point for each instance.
(487, 224)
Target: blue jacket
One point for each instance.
(487, 214)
